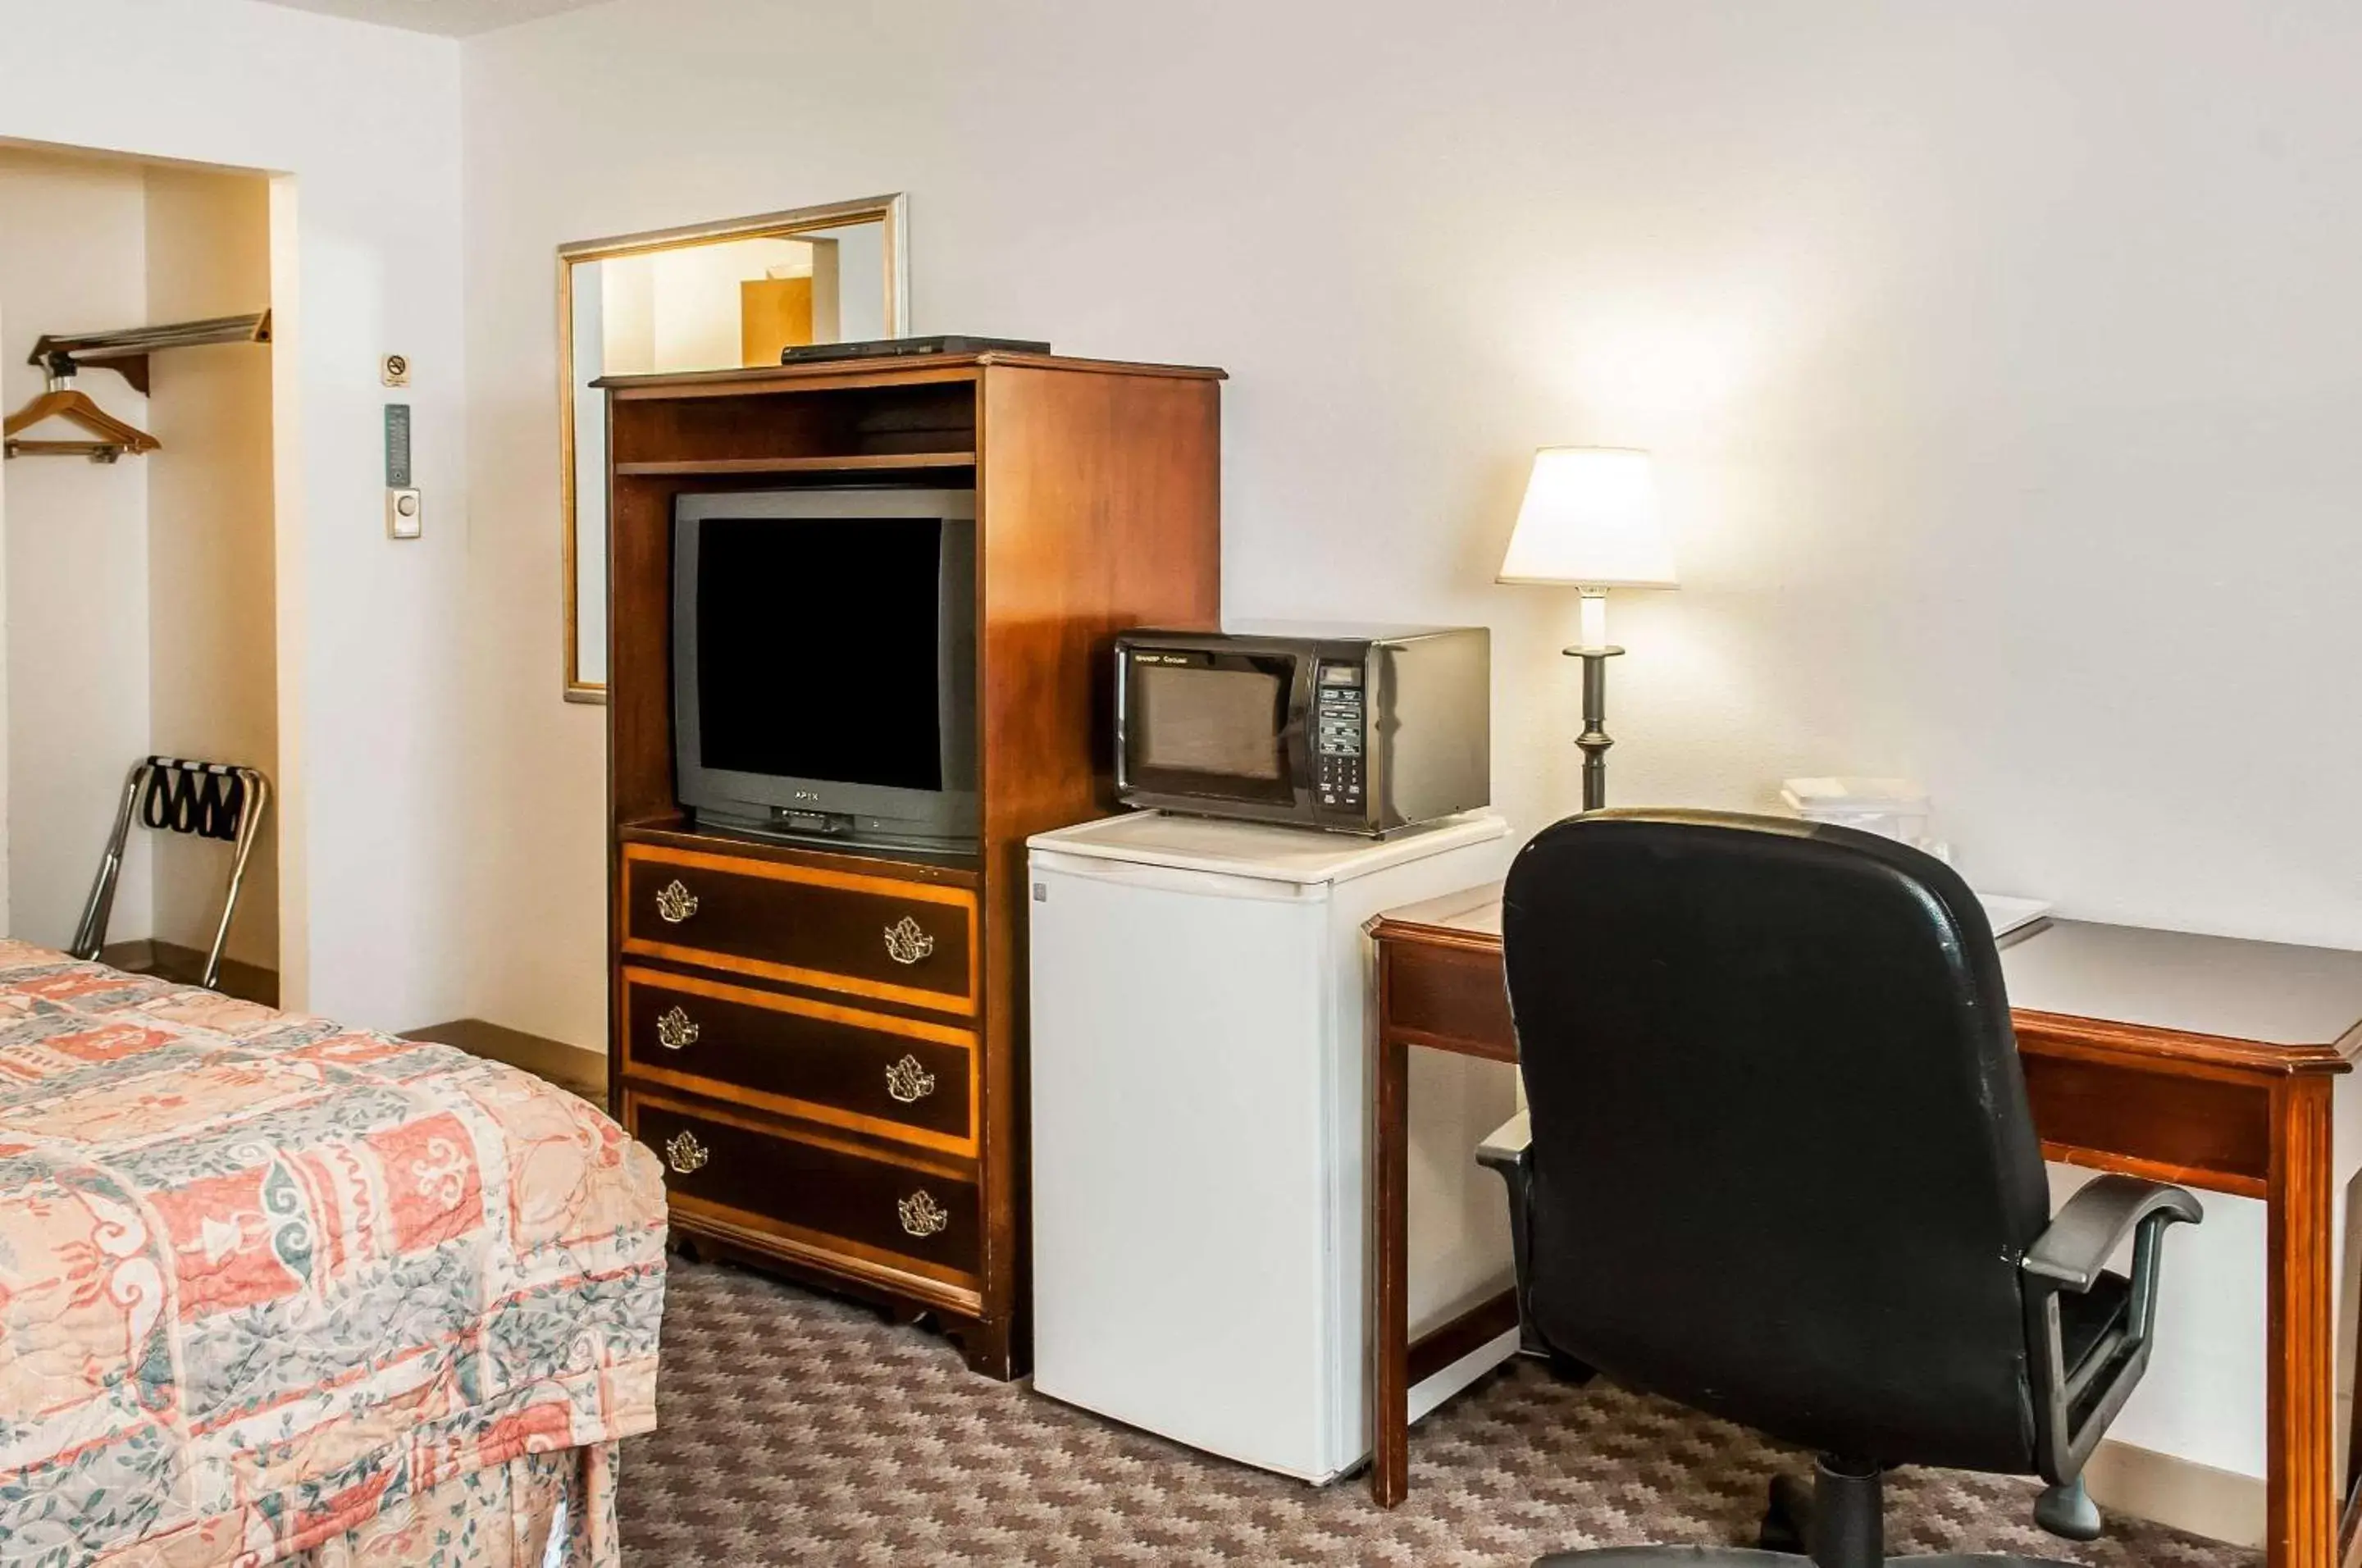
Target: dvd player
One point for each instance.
(805, 353)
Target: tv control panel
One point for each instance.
(1339, 765)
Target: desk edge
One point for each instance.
(2114, 1037)
(2060, 1033)
(1386, 928)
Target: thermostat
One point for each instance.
(397, 446)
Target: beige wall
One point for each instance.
(679, 310)
(213, 680)
(72, 257)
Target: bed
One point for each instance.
(274, 1291)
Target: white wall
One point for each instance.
(363, 124)
(211, 539)
(72, 259)
(2000, 361)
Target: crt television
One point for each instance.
(824, 664)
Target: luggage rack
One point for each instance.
(204, 800)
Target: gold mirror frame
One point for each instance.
(889, 211)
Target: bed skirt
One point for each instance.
(539, 1510)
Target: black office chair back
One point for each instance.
(1783, 1167)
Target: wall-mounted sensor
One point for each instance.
(405, 515)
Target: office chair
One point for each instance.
(1780, 1169)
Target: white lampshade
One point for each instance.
(1590, 519)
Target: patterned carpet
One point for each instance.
(798, 1429)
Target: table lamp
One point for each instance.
(1590, 521)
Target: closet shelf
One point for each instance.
(126, 351)
(848, 463)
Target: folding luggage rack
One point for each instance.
(204, 800)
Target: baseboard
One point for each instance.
(2219, 1504)
(171, 961)
(569, 1068)
(1442, 1384)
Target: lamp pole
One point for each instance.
(1593, 740)
(1595, 651)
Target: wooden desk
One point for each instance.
(2195, 1059)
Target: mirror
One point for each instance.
(710, 297)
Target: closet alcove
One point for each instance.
(140, 594)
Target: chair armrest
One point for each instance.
(1508, 1153)
(1505, 1146)
(2100, 1218)
(2074, 1405)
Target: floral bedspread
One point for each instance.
(262, 1277)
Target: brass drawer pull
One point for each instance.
(921, 1215)
(675, 903)
(907, 942)
(686, 1155)
(676, 1029)
(908, 1080)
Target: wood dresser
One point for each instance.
(827, 1046)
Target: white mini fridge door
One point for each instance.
(1183, 1282)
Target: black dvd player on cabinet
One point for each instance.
(805, 353)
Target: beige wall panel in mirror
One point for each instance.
(710, 297)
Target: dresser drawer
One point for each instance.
(810, 1197)
(892, 1078)
(872, 936)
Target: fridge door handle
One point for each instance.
(1172, 878)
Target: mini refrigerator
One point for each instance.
(1201, 1010)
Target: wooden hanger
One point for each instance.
(63, 400)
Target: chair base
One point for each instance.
(2067, 1512)
(1838, 1522)
(1752, 1557)
(1787, 1518)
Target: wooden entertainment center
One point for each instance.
(826, 1045)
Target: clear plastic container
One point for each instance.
(1893, 808)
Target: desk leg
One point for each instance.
(2302, 1523)
(1390, 1275)
(2349, 1524)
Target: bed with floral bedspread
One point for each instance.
(276, 1291)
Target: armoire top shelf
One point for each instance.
(852, 417)
(839, 463)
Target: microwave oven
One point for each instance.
(1356, 730)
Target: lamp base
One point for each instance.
(1594, 741)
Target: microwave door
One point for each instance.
(1206, 728)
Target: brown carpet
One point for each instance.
(798, 1429)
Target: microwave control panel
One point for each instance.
(1338, 763)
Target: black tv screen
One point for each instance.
(817, 653)
(824, 663)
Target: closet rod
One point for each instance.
(127, 351)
